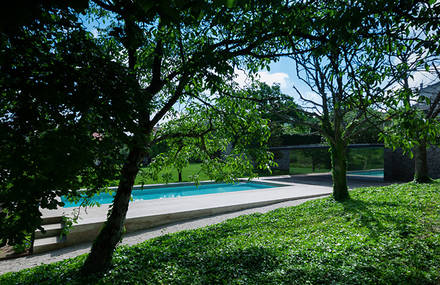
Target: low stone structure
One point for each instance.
(399, 167)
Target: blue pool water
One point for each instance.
(372, 173)
(177, 191)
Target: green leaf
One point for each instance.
(230, 3)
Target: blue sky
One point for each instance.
(283, 72)
(287, 66)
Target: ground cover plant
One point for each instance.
(383, 235)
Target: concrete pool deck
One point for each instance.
(144, 214)
(325, 180)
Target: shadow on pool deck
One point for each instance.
(325, 179)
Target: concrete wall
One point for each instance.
(397, 167)
(282, 157)
(401, 168)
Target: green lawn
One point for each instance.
(305, 170)
(383, 235)
(193, 168)
(295, 170)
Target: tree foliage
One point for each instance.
(100, 100)
(228, 135)
(63, 118)
(346, 82)
(278, 108)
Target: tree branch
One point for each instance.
(177, 93)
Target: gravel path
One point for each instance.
(134, 238)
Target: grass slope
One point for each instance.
(381, 236)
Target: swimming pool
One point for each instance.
(372, 173)
(176, 191)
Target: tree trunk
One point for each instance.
(421, 164)
(100, 257)
(179, 172)
(339, 171)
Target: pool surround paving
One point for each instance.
(143, 214)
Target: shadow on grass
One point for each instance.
(381, 218)
(248, 264)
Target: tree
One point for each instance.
(276, 107)
(414, 127)
(415, 124)
(55, 82)
(13, 17)
(344, 82)
(155, 55)
(163, 54)
(373, 126)
(173, 50)
(342, 62)
(345, 74)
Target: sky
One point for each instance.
(283, 73)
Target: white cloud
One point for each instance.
(94, 32)
(281, 78)
(422, 77)
(419, 79)
(241, 78)
(312, 96)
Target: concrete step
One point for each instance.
(48, 244)
(52, 220)
(51, 231)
